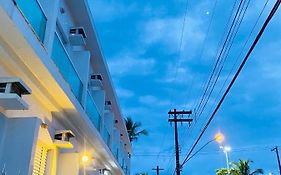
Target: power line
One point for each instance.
(200, 57)
(234, 28)
(243, 48)
(226, 53)
(221, 59)
(217, 60)
(177, 61)
(251, 148)
(177, 120)
(204, 43)
(273, 11)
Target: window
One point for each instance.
(92, 111)
(61, 32)
(66, 68)
(34, 15)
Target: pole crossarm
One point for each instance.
(275, 149)
(189, 120)
(179, 112)
(158, 169)
(177, 120)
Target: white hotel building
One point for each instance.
(59, 114)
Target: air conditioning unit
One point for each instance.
(11, 91)
(62, 139)
(96, 82)
(104, 171)
(77, 36)
(107, 105)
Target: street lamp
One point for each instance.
(226, 150)
(219, 137)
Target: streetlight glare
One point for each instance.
(219, 137)
(227, 148)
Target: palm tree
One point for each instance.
(243, 168)
(222, 171)
(145, 173)
(133, 129)
(239, 168)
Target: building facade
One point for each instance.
(59, 114)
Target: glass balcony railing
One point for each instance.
(66, 68)
(106, 138)
(115, 150)
(119, 152)
(34, 15)
(92, 111)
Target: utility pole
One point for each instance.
(275, 149)
(175, 120)
(157, 169)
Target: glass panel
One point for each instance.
(92, 111)
(66, 68)
(121, 153)
(34, 15)
(106, 138)
(115, 150)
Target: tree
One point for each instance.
(145, 173)
(239, 168)
(134, 129)
(222, 171)
(243, 167)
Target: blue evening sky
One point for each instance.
(140, 41)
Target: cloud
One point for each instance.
(108, 10)
(177, 74)
(124, 93)
(127, 64)
(152, 101)
(271, 65)
(167, 31)
(135, 111)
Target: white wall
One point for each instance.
(68, 164)
(2, 129)
(19, 145)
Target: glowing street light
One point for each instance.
(219, 137)
(226, 149)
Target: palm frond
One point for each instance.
(257, 171)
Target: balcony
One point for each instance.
(91, 110)
(66, 68)
(107, 138)
(34, 15)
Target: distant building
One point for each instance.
(58, 109)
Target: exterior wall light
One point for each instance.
(85, 159)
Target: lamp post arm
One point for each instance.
(199, 150)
